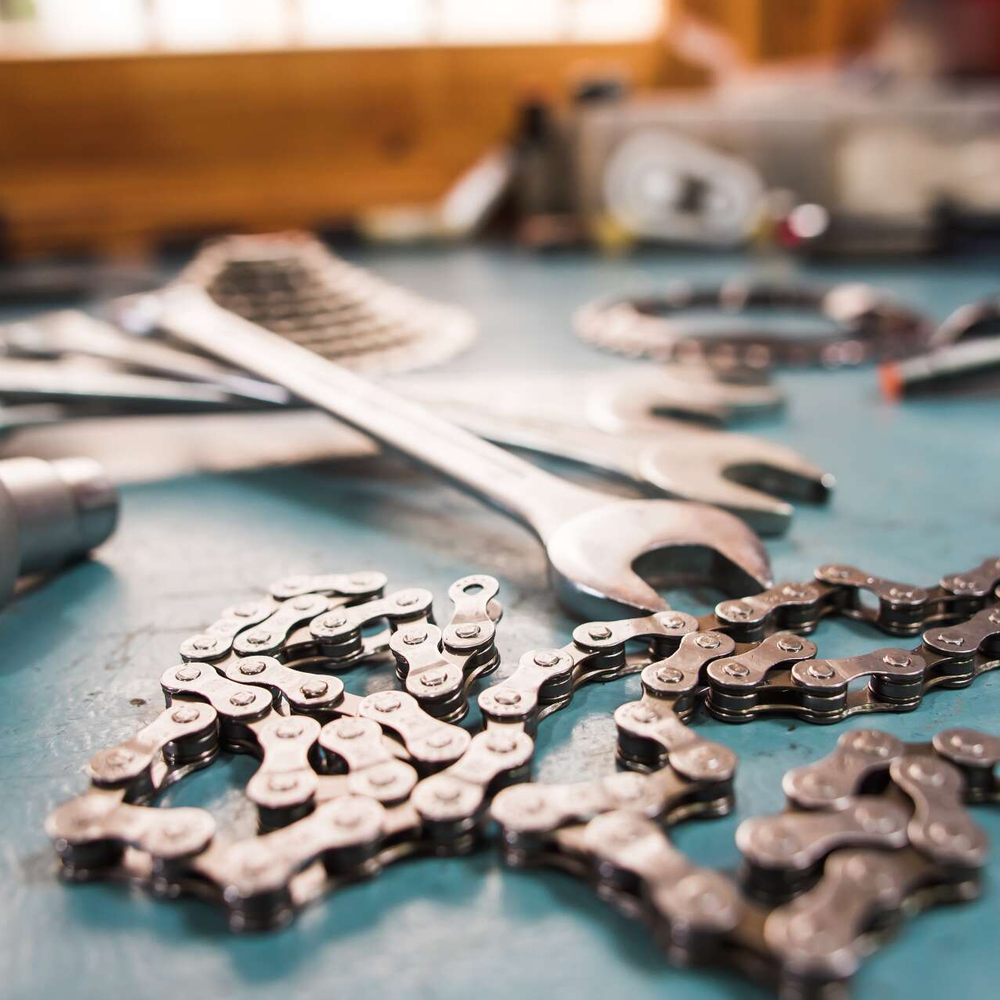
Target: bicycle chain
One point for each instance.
(867, 324)
(348, 784)
(875, 829)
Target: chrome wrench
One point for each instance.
(737, 472)
(608, 431)
(592, 540)
(627, 397)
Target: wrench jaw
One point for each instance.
(766, 514)
(722, 473)
(700, 480)
(640, 398)
(593, 555)
(775, 469)
(810, 485)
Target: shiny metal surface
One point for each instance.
(69, 333)
(737, 472)
(591, 539)
(51, 513)
(348, 785)
(862, 323)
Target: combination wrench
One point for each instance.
(592, 540)
(601, 426)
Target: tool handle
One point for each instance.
(587, 446)
(503, 480)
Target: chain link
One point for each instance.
(347, 784)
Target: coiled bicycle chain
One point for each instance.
(348, 784)
(867, 324)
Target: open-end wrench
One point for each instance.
(626, 398)
(735, 471)
(568, 418)
(592, 540)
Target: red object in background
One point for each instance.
(890, 380)
(965, 33)
(973, 41)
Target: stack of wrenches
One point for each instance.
(614, 422)
(624, 422)
(82, 344)
(66, 365)
(592, 539)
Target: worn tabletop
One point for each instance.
(918, 494)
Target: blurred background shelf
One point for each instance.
(126, 124)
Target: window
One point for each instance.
(94, 26)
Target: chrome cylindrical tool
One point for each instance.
(50, 514)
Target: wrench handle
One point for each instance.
(591, 447)
(501, 479)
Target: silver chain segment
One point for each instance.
(819, 884)
(866, 324)
(348, 784)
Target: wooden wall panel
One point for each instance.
(114, 151)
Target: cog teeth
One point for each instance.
(294, 286)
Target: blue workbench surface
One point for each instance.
(917, 496)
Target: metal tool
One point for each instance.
(591, 539)
(50, 514)
(967, 367)
(550, 413)
(972, 321)
(292, 284)
(964, 356)
(69, 333)
(628, 397)
(89, 389)
(861, 323)
(151, 448)
(733, 471)
(349, 784)
(24, 417)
